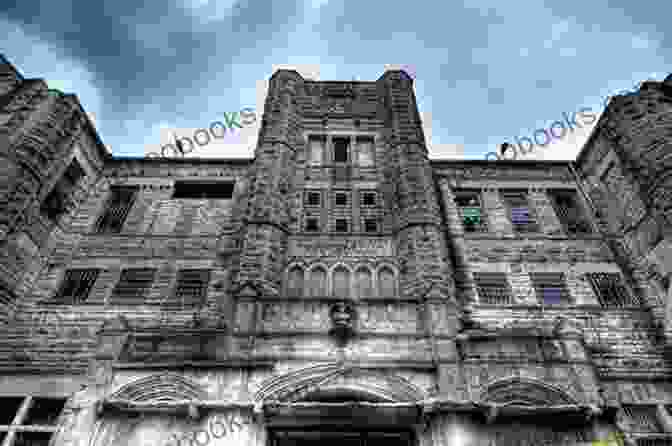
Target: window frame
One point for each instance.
(508, 197)
(113, 212)
(543, 280)
(9, 433)
(482, 225)
(84, 273)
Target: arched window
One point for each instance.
(363, 282)
(341, 280)
(317, 282)
(386, 282)
(295, 282)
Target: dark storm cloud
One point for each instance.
(141, 54)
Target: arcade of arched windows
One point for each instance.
(341, 280)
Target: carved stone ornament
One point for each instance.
(342, 320)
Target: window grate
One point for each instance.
(642, 418)
(520, 214)
(76, 286)
(470, 211)
(550, 288)
(493, 288)
(118, 206)
(611, 290)
(133, 286)
(191, 288)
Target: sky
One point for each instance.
(485, 71)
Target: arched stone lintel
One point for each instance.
(160, 387)
(520, 391)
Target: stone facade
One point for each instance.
(344, 294)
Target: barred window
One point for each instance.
(569, 212)
(118, 206)
(341, 198)
(520, 214)
(34, 427)
(470, 210)
(550, 288)
(312, 198)
(493, 288)
(368, 199)
(133, 286)
(191, 288)
(76, 286)
(56, 201)
(610, 290)
(641, 418)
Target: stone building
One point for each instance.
(340, 287)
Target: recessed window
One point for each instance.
(550, 288)
(370, 225)
(117, 208)
(44, 411)
(368, 198)
(217, 190)
(133, 286)
(610, 290)
(469, 207)
(76, 286)
(520, 214)
(569, 212)
(341, 225)
(341, 199)
(191, 288)
(9, 406)
(341, 146)
(312, 198)
(312, 224)
(55, 203)
(493, 288)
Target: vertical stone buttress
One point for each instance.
(426, 271)
(267, 218)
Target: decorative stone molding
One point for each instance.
(525, 392)
(343, 317)
(159, 388)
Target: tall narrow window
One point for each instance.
(191, 288)
(295, 282)
(550, 288)
(76, 286)
(56, 201)
(341, 280)
(365, 150)
(386, 282)
(363, 282)
(341, 148)
(316, 149)
(317, 282)
(118, 206)
(133, 286)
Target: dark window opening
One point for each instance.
(312, 198)
(469, 209)
(610, 290)
(55, 203)
(32, 439)
(44, 411)
(642, 419)
(312, 225)
(341, 146)
(8, 408)
(192, 287)
(341, 225)
(370, 225)
(493, 288)
(76, 286)
(550, 288)
(341, 199)
(569, 212)
(219, 190)
(368, 198)
(133, 286)
(118, 206)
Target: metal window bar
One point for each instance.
(471, 212)
(642, 418)
(611, 290)
(493, 288)
(367, 199)
(550, 288)
(192, 287)
(520, 212)
(77, 285)
(569, 213)
(133, 286)
(119, 205)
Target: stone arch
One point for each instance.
(330, 382)
(363, 281)
(386, 280)
(341, 281)
(295, 279)
(317, 281)
(525, 392)
(160, 387)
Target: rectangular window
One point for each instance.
(312, 198)
(520, 214)
(610, 290)
(133, 286)
(341, 148)
(641, 418)
(470, 211)
(341, 225)
(34, 427)
(9, 406)
(191, 288)
(368, 199)
(341, 199)
(493, 288)
(312, 224)
(118, 206)
(76, 286)
(317, 144)
(44, 411)
(550, 288)
(569, 212)
(55, 204)
(365, 149)
(370, 225)
(200, 190)
(32, 439)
